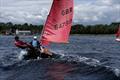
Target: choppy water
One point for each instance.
(86, 57)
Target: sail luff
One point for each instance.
(47, 42)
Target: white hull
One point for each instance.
(117, 39)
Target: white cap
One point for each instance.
(35, 37)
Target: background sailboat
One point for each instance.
(118, 34)
(58, 23)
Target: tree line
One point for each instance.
(76, 29)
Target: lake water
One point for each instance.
(86, 57)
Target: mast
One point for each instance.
(42, 32)
(45, 22)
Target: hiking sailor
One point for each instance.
(20, 44)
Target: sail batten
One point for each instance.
(58, 23)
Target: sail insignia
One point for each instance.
(58, 24)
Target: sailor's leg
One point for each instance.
(46, 51)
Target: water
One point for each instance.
(86, 57)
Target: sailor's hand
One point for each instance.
(42, 50)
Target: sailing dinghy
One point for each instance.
(57, 26)
(118, 34)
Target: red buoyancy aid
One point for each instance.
(21, 44)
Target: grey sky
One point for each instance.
(36, 11)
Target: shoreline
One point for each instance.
(70, 34)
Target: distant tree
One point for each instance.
(76, 29)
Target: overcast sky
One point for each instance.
(36, 11)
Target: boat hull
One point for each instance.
(117, 39)
(27, 55)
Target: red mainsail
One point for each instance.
(118, 31)
(58, 23)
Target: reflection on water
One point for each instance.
(58, 71)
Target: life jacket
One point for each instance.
(20, 44)
(35, 43)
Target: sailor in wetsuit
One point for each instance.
(40, 50)
(35, 43)
(24, 45)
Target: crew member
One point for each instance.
(20, 44)
(35, 43)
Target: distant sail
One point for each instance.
(118, 34)
(58, 23)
